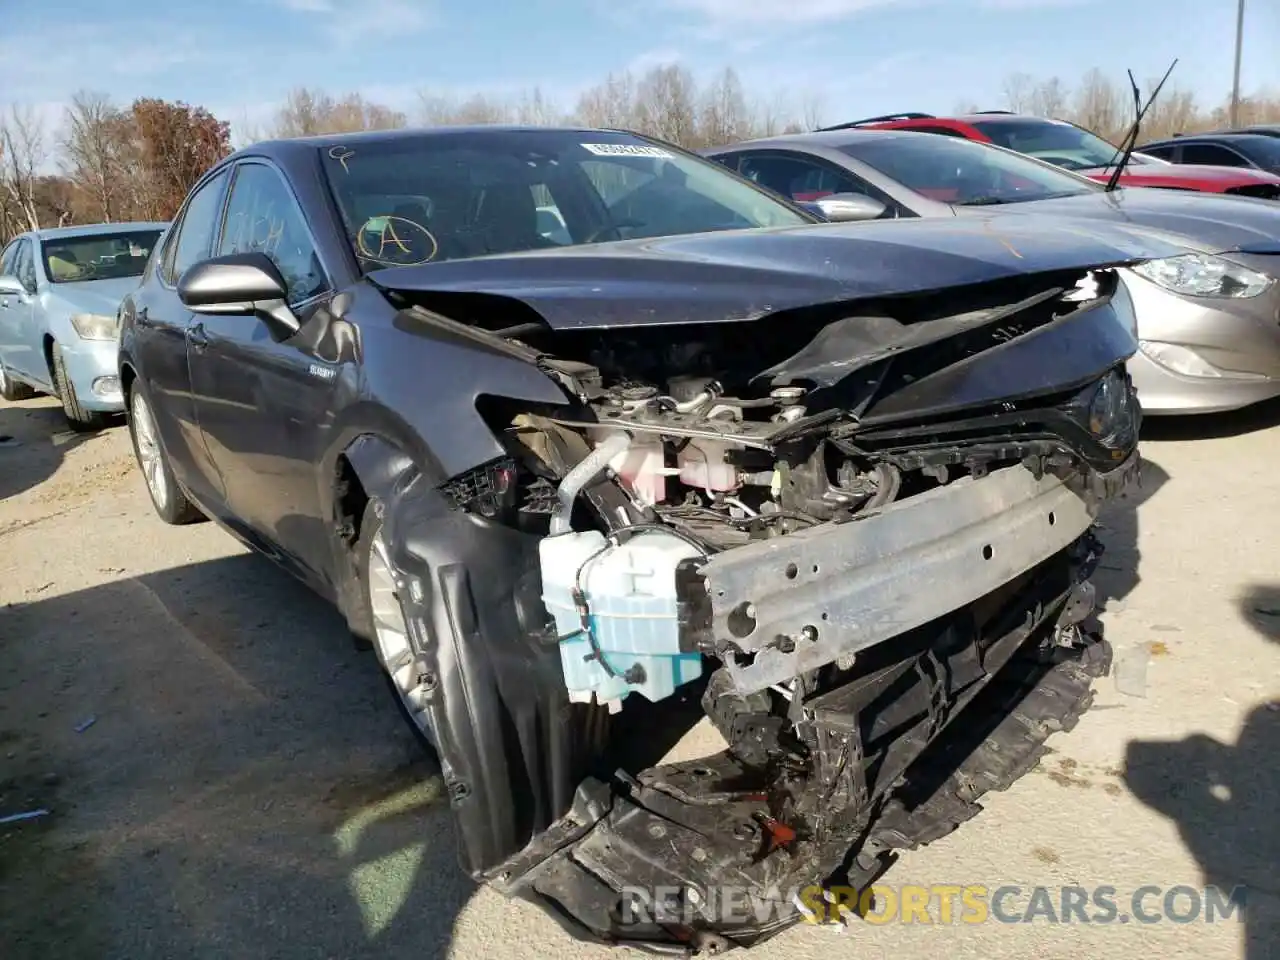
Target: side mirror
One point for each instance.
(240, 284)
(11, 286)
(846, 207)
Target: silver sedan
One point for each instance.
(1208, 321)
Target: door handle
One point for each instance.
(197, 337)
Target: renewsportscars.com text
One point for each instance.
(938, 904)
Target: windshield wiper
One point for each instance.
(983, 202)
(1131, 140)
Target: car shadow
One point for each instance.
(34, 439)
(1210, 426)
(1119, 571)
(1222, 797)
(223, 774)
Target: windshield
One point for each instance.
(1264, 151)
(1053, 141)
(98, 256)
(965, 172)
(453, 195)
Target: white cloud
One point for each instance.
(354, 21)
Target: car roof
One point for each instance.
(830, 139)
(296, 146)
(93, 229)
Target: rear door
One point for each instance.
(263, 406)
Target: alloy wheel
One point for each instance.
(391, 633)
(150, 457)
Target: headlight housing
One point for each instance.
(1204, 275)
(95, 326)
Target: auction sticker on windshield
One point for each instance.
(626, 150)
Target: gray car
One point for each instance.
(1209, 320)
(60, 291)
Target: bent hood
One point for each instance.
(1209, 222)
(738, 275)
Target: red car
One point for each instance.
(1074, 148)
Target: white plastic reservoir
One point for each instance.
(630, 591)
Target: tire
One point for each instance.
(392, 644)
(78, 417)
(167, 496)
(11, 389)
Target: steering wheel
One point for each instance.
(614, 227)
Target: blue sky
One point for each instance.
(860, 57)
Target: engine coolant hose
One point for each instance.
(582, 474)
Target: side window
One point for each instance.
(1210, 153)
(8, 257)
(192, 237)
(1164, 153)
(24, 267)
(802, 178)
(263, 217)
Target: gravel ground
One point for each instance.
(246, 789)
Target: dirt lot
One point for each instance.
(246, 790)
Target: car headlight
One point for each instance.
(95, 326)
(1204, 275)
(1114, 415)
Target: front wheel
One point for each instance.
(77, 416)
(385, 624)
(167, 497)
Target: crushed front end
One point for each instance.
(865, 541)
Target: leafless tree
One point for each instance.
(725, 118)
(611, 103)
(1019, 92)
(666, 105)
(23, 150)
(308, 112)
(95, 149)
(1050, 98)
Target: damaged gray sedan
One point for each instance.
(580, 431)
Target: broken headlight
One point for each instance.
(1113, 413)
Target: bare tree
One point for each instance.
(725, 118)
(22, 146)
(95, 149)
(666, 105)
(307, 113)
(609, 104)
(1049, 98)
(812, 108)
(1019, 92)
(1100, 107)
(442, 110)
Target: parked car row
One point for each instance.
(573, 427)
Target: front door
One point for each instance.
(264, 406)
(161, 322)
(23, 354)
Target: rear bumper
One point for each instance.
(789, 605)
(91, 368)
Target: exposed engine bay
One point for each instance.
(840, 537)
